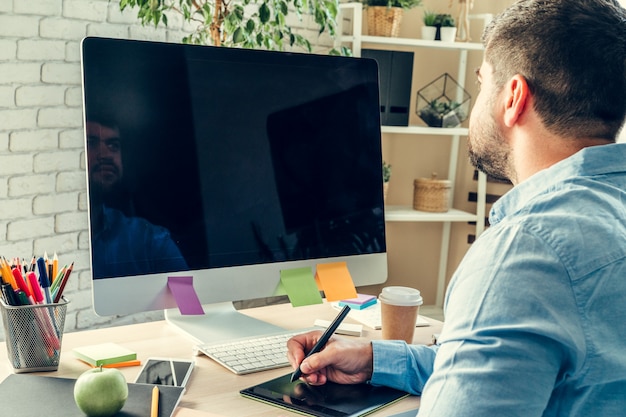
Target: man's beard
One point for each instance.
(492, 157)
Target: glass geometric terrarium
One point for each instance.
(443, 102)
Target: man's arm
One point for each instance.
(402, 366)
(507, 340)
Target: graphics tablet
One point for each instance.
(328, 400)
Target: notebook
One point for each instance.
(328, 400)
(55, 398)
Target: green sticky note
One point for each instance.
(300, 286)
(280, 290)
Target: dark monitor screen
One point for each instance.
(245, 157)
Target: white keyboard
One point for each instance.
(254, 354)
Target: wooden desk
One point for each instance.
(211, 387)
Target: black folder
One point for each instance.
(328, 400)
(35, 396)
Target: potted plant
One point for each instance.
(384, 16)
(438, 26)
(447, 28)
(442, 113)
(429, 30)
(443, 102)
(236, 24)
(386, 178)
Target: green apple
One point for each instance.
(100, 392)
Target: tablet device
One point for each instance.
(328, 400)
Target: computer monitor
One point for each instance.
(252, 162)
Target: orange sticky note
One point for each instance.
(335, 280)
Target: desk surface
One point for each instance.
(211, 387)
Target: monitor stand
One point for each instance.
(220, 322)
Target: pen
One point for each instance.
(21, 284)
(34, 287)
(324, 339)
(9, 295)
(47, 324)
(43, 278)
(154, 410)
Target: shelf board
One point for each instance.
(422, 130)
(408, 214)
(384, 40)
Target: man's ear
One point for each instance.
(516, 96)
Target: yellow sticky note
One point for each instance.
(335, 280)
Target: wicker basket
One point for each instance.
(384, 21)
(431, 195)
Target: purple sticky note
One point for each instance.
(185, 295)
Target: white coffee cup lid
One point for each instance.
(402, 296)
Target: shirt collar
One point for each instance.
(590, 161)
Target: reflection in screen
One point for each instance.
(257, 158)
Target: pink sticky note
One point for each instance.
(185, 295)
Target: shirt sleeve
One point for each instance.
(402, 366)
(506, 344)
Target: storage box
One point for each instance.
(395, 72)
(431, 194)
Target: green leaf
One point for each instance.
(265, 26)
(239, 12)
(264, 13)
(250, 26)
(280, 20)
(283, 7)
(239, 36)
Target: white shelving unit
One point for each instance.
(353, 12)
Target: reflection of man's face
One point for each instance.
(104, 155)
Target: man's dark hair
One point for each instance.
(103, 117)
(572, 54)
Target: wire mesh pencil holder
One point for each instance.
(33, 335)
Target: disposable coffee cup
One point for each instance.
(399, 310)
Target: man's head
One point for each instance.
(104, 156)
(571, 55)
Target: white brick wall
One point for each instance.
(42, 179)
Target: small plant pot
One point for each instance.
(448, 34)
(443, 103)
(429, 33)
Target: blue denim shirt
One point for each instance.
(536, 312)
(133, 246)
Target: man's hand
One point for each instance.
(342, 360)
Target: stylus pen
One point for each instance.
(324, 339)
